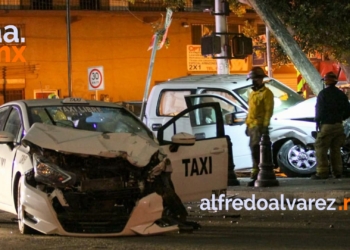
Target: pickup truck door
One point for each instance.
(201, 168)
(234, 122)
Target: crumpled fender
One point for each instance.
(146, 212)
(284, 133)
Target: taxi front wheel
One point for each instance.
(23, 228)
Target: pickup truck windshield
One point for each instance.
(284, 96)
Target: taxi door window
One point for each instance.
(200, 122)
(13, 124)
(3, 116)
(229, 111)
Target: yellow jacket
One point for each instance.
(260, 108)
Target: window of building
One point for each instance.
(44, 94)
(261, 29)
(9, 4)
(200, 30)
(118, 4)
(41, 4)
(11, 95)
(14, 94)
(90, 4)
(151, 5)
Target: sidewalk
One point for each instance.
(294, 188)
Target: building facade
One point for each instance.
(113, 34)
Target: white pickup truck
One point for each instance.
(290, 130)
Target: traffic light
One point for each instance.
(226, 7)
(210, 45)
(242, 46)
(203, 4)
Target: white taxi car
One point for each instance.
(88, 168)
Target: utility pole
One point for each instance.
(223, 66)
(4, 86)
(155, 47)
(219, 44)
(268, 53)
(69, 60)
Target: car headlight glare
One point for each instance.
(50, 173)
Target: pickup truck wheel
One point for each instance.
(295, 160)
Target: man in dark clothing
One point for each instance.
(332, 108)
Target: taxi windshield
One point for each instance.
(92, 118)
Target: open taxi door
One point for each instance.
(199, 151)
(234, 116)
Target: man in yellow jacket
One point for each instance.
(261, 105)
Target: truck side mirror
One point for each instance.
(236, 118)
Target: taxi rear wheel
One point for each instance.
(296, 160)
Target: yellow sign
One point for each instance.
(197, 62)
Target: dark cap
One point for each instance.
(256, 72)
(330, 76)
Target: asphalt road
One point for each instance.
(220, 230)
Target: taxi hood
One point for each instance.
(136, 149)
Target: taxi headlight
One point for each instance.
(51, 174)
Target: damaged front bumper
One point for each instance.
(142, 219)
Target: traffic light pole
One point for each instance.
(221, 27)
(268, 53)
(69, 58)
(220, 46)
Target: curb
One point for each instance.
(295, 188)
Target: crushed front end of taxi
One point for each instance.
(99, 184)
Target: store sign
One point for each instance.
(197, 62)
(11, 48)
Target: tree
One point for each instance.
(302, 27)
(288, 43)
(317, 26)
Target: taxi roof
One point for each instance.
(59, 102)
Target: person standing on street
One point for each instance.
(332, 108)
(260, 110)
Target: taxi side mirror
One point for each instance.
(181, 139)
